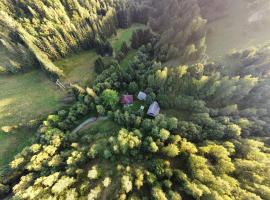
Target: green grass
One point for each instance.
(124, 35)
(23, 98)
(105, 126)
(12, 143)
(179, 114)
(128, 58)
(79, 68)
(27, 96)
(234, 32)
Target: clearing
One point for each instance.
(235, 31)
(124, 35)
(22, 99)
(79, 68)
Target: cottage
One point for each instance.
(153, 109)
(142, 96)
(127, 99)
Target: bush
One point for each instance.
(105, 48)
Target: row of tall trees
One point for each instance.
(181, 27)
(54, 29)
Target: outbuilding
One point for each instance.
(142, 96)
(154, 109)
(127, 99)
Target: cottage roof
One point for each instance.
(153, 109)
(142, 96)
(127, 99)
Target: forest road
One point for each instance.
(87, 122)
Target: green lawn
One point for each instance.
(124, 35)
(13, 143)
(234, 32)
(23, 98)
(79, 68)
(105, 126)
(128, 58)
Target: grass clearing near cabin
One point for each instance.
(103, 126)
(235, 32)
(24, 97)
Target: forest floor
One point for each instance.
(21, 100)
(13, 143)
(235, 32)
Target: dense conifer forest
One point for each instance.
(209, 139)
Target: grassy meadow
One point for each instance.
(24, 97)
(79, 68)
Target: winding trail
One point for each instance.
(87, 122)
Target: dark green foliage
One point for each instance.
(138, 157)
(105, 48)
(3, 190)
(146, 157)
(35, 32)
(141, 37)
(123, 52)
(183, 38)
(99, 65)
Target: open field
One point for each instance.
(79, 68)
(24, 97)
(27, 96)
(235, 32)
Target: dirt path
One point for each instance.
(87, 122)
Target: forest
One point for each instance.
(126, 100)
